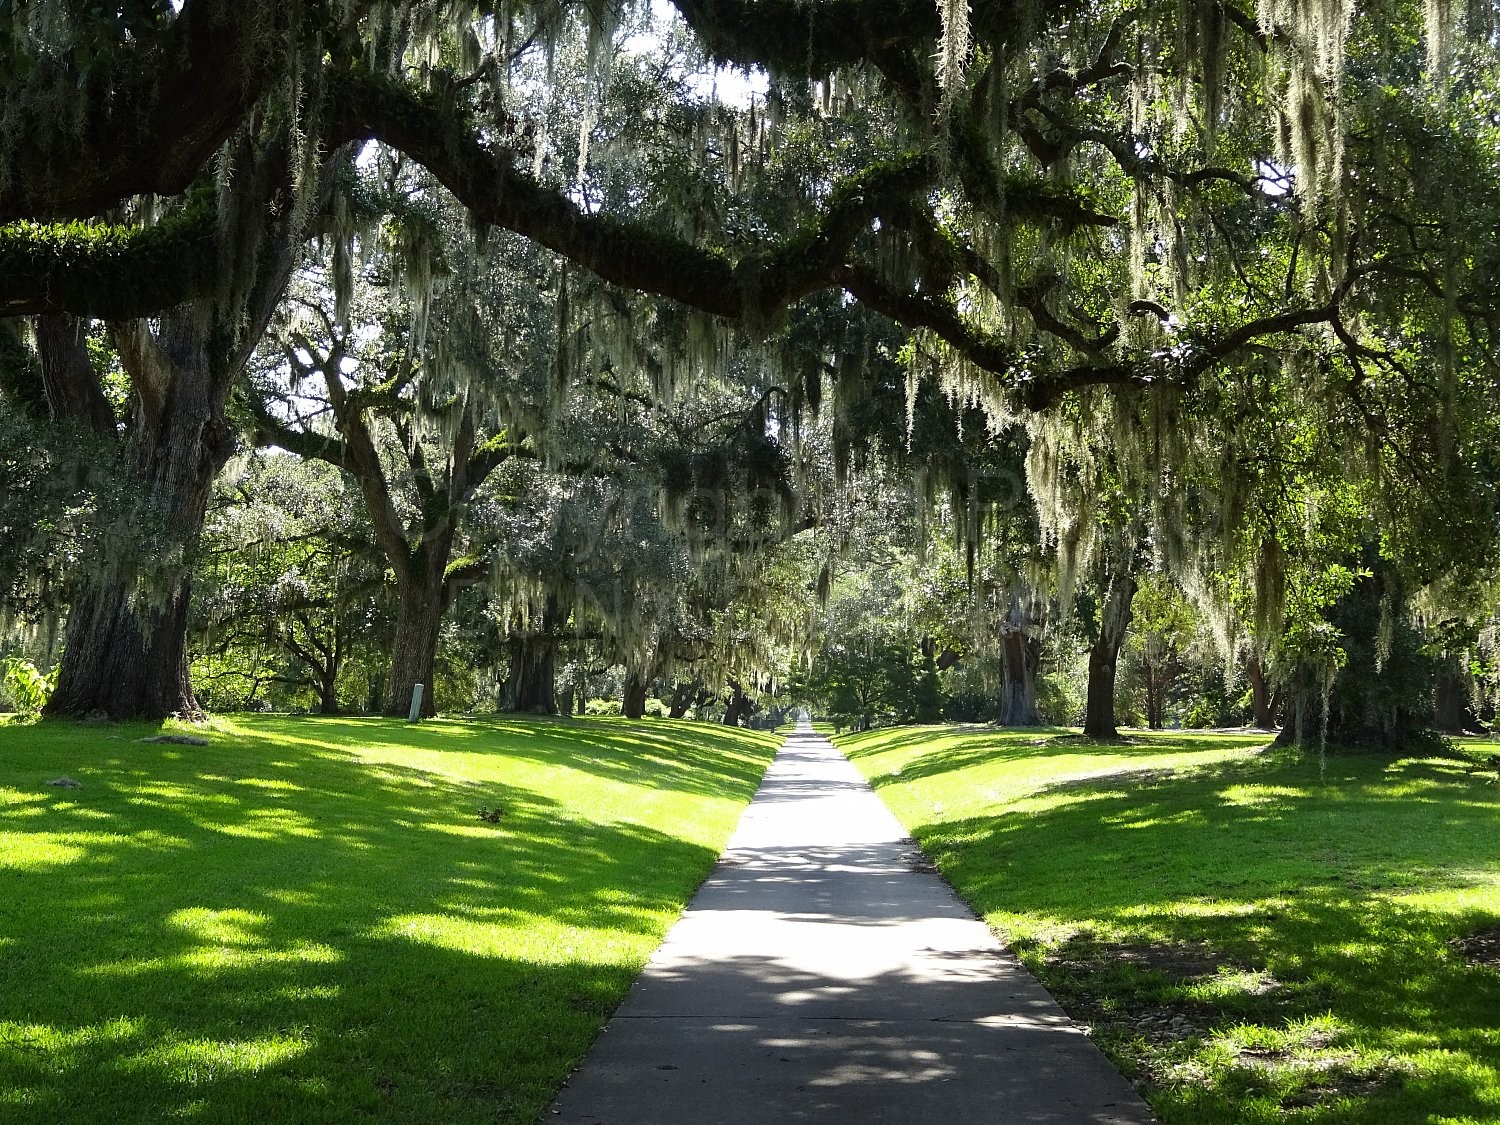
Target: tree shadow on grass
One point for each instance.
(697, 758)
(991, 745)
(1301, 876)
(300, 936)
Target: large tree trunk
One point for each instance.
(1262, 706)
(1104, 655)
(1020, 657)
(633, 706)
(126, 653)
(532, 686)
(1450, 711)
(420, 605)
(328, 696)
(683, 694)
(127, 629)
(737, 709)
(125, 660)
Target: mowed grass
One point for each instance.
(308, 920)
(1251, 936)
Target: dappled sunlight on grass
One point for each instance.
(1194, 898)
(307, 920)
(38, 851)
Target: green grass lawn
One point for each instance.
(1252, 937)
(308, 921)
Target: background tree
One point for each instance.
(289, 582)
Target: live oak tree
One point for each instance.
(287, 603)
(419, 391)
(1056, 199)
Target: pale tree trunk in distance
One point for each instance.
(418, 553)
(421, 601)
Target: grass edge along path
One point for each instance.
(1251, 936)
(309, 920)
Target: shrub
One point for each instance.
(27, 688)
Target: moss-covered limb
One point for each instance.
(806, 39)
(105, 271)
(809, 39)
(157, 107)
(973, 157)
(489, 456)
(1189, 361)
(267, 429)
(811, 260)
(937, 314)
(1091, 341)
(627, 254)
(1216, 350)
(1034, 389)
(1064, 134)
(498, 193)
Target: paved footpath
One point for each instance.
(821, 974)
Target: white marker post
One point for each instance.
(416, 704)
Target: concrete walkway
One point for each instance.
(823, 974)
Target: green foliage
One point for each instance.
(1382, 695)
(27, 688)
(59, 500)
(112, 268)
(1060, 696)
(287, 612)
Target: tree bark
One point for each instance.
(322, 659)
(420, 604)
(1104, 655)
(683, 694)
(1020, 656)
(126, 652)
(633, 706)
(532, 685)
(419, 551)
(737, 709)
(328, 696)
(1262, 706)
